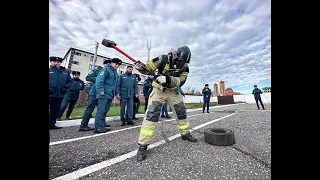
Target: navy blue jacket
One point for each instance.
(256, 92)
(147, 87)
(106, 82)
(206, 94)
(127, 86)
(59, 81)
(74, 91)
(91, 77)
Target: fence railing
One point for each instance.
(248, 98)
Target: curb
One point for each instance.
(77, 122)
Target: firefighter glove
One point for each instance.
(161, 79)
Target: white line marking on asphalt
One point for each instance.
(119, 130)
(254, 110)
(111, 132)
(95, 167)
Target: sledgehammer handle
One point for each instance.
(125, 54)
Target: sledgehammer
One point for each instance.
(111, 44)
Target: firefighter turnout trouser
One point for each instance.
(152, 115)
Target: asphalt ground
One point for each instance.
(84, 155)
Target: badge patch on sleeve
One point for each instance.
(90, 72)
(101, 73)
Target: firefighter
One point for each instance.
(172, 71)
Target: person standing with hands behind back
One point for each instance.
(206, 97)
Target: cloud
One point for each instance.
(229, 39)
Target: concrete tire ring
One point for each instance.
(219, 136)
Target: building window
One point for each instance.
(90, 66)
(91, 58)
(121, 72)
(77, 53)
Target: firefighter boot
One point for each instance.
(142, 152)
(189, 137)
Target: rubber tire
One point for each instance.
(219, 136)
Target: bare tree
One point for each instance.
(186, 90)
(192, 91)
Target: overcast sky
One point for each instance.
(229, 39)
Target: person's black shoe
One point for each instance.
(108, 125)
(135, 118)
(189, 138)
(163, 116)
(104, 130)
(142, 152)
(168, 117)
(123, 123)
(87, 128)
(54, 127)
(208, 112)
(130, 122)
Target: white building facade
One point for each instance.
(82, 61)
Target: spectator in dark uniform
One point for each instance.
(59, 83)
(92, 99)
(164, 111)
(136, 101)
(106, 87)
(206, 97)
(256, 92)
(128, 89)
(71, 97)
(147, 89)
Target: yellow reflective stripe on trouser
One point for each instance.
(184, 74)
(152, 66)
(156, 85)
(183, 126)
(147, 132)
